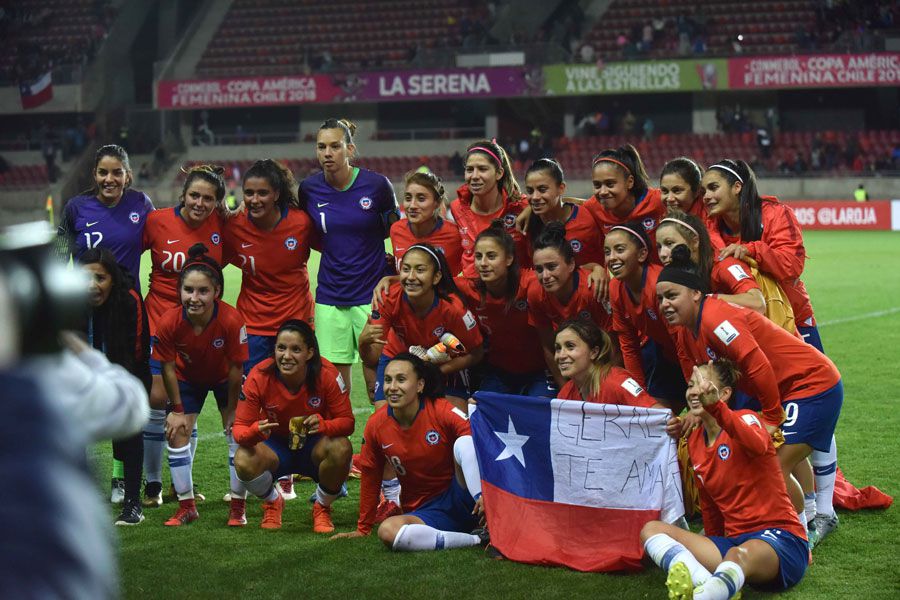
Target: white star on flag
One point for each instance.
(513, 442)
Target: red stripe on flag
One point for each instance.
(583, 538)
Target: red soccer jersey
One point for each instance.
(264, 396)
(404, 328)
(444, 237)
(203, 358)
(775, 366)
(583, 236)
(617, 388)
(512, 344)
(649, 211)
(731, 276)
(168, 238)
(471, 224)
(741, 486)
(779, 252)
(422, 455)
(545, 311)
(636, 319)
(275, 282)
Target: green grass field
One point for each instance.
(853, 281)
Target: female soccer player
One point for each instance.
(563, 292)
(490, 192)
(777, 367)
(679, 186)
(751, 534)
(648, 350)
(622, 193)
(270, 243)
(295, 417)
(728, 278)
(418, 311)
(422, 201)
(202, 347)
(428, 442)
(110, 215)
(352, 210)
(117, 326)
(514, 362)
(583, 353)
(168, 235)
(767, 231)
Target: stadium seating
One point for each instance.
(24, 177)
(272, 37)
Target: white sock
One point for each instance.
(809, 506)
(665, 552)
(238, 489)
(422, 537)
(391, 490)
(180, 464)
(262, 487)
(724, 583)
(801, 517)
(825, 469)
(464, 454)
(324, 498)
(194, 439)
(154, 443)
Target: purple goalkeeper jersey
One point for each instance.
(91, 224)
(352, 224)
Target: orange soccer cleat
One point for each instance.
(387, 508)
(237, 515)
(272, 513)
(186, 513)
(322, 519)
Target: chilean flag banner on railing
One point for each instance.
(572, 483)
(36, 92)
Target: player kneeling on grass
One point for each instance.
(307, 422)
(429, 444)
(752, 533)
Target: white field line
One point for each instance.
(862, 317)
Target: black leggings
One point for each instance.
(131, 452)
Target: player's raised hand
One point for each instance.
(738, 251)
(265, 426)
(177, 422)
(312, 423)
(381, 290)
(599, 282)
(372, 334)
(708, 392)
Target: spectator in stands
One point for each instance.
(860, 194)
(457, 164)
(648, 128)
(628, 123)
(895, 156)
(764, 141)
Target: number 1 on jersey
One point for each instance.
(248, 259)
(322, 220)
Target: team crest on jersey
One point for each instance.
(576, 246)
(215, 239)
(218, 343)
(314, 402)
(135, 218)
(291, 243)
(509, 221)
(438, 331)
(585, 314)
(652, 314)
(710, 353)
(723, 451)
(365, 203)
(649, 224)
(432, 437)
(522, 305)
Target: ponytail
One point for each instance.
(750, 202)
(628, 161)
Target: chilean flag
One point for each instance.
(571, 483)
(36, 92)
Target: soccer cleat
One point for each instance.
(272, 513)
(355, 473)
(286, 487)
(131, 513)
(186, 513)
(387, 508)
(341, 494)
(679, 583)
(823, 525)
(117, 490)
(152, 494)
(237, 516)
(322, 519)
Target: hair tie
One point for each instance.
(682, 223)
(632, 232)
(429, 251)
(729, 169)
(612, 160)
(483, 149)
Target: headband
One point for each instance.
(682, 223)
(483, 149)
(612, 160)
(729, 169)
(437, 261)
(632, 232)
(681, 277)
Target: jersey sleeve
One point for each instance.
(246, 417)
(537, 316)
(625, 391)
(371, 465)
(141, 341)
(454, 421)
(469, 332)
(340, 421)
(733, 277)
(387, 205)
(628, 343)
(164, 346)
(744, 427)
(238, 349)
(782, 254)
(386, 314)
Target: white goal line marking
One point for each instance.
(862, 317)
